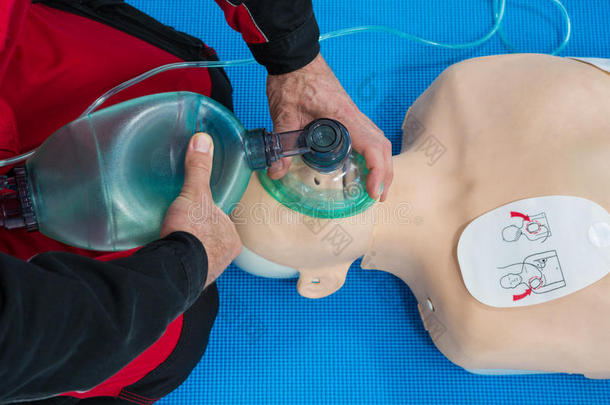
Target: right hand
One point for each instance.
(194, 210)
(313, 91)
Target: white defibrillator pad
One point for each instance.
(602, 63)
(535, 250)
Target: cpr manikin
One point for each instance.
(488, 132)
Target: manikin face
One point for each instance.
(320, 249)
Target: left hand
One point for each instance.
(312, 92)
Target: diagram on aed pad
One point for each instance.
(533, 227)
(538, 273)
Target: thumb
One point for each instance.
(198, 166)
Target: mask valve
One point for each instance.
(325, 145)
(329, 143)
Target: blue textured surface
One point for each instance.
(366, 344)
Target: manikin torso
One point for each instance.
(487, 132)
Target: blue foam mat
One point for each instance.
(366, 344)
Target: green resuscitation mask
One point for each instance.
(338, 193)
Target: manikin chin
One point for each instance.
(488, 132)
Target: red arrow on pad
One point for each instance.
(521, 296)
(520, 215)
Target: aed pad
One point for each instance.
(535, 250)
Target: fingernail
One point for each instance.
(201, 143)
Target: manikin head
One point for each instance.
(299, 235)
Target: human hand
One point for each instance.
(299, 97)
(194, 210)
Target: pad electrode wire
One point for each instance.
(499, 7)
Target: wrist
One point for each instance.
(316, 66)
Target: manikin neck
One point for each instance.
(398, 224)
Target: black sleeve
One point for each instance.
(282, 34)
(68, 322)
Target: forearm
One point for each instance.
(68, 322)
(282, 34)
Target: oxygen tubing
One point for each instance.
(499, 7)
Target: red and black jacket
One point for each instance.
(128, 327)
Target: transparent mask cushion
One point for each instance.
(337, 194)
(499, 7)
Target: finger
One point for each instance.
(389, 172)
(374, 160)
(279, 169)
(198, 166)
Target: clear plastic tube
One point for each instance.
(178, 65)
(498, 15)
(499, 7)
(16, 159)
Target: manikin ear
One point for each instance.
(321, 281)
